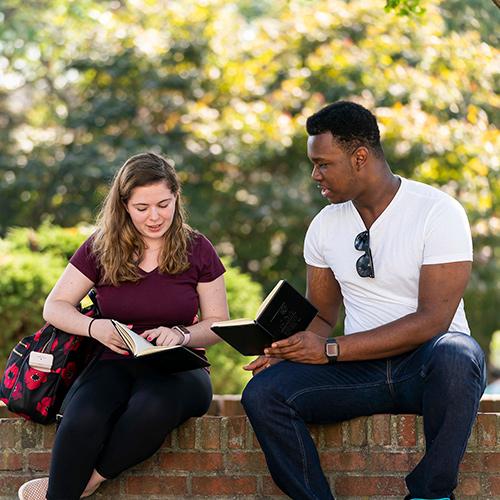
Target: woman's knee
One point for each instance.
(84, 420)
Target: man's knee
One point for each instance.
(253, 395)
(259, 392)
(459, 353)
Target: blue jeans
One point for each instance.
(442, 380)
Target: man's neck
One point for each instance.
(377, 198)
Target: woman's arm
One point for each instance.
(60, 310)
(213, 307)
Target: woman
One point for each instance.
(151, 270)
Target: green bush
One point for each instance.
(31, 261)
(25, 280)
(48, 238)
(244, 297)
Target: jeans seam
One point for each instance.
(389, 379)
(325, 387)
(302, 451)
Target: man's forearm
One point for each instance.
(321, 326)
(397, 337)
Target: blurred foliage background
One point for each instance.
(224, 89)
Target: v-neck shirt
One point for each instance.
(157, 299)
(421, 225)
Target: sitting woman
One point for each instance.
(152, 271)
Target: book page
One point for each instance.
(234, 322)
(138, 345)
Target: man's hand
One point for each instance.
(261, 363)
(302, 347)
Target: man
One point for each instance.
(398, 254)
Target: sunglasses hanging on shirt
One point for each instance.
(364, 265)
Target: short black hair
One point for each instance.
(350, 124)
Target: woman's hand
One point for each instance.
(261, 363)
(104, 331)
(164, 336)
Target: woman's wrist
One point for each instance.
(89, 328)
(186, 334)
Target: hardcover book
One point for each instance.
(284, 312)
(174, 358)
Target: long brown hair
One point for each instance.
(117, 243)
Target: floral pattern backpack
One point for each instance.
(42, 367)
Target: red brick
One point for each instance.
(31, 435)
(10, 460)
(224, 485)
(10, 484)
(147, 465)
(472, 462)
(316, 431)
(236, 432)
(419, 429)
(190, 461)
(39, 460)
(357, 431)
(246, 461)
(215, 407)
(332, 436)
(468, 486)
(186, 435)
(269, 488)
(156, 485)
(493, 486)
(168, 443)
(49, 432)
(370, 486)
(381, 430)
(491, 461)
(10, 433)
(343, 461)
(112, 489)
(231, 406)
(387, 462)
(209, 433)
(487, 430)
(254, 441)
(405, 430)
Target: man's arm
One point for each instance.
(441, 287)
(323, 290)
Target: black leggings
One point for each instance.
(120, 416)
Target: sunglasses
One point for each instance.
(364, 265)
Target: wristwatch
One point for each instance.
(332, 350)
(185, 333)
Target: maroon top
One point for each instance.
(156, 299)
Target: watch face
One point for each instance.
(332, 349)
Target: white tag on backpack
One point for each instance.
(41, 361)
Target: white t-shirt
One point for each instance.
(421, 225)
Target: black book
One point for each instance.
(173, 359)
(284, 312)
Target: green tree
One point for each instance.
(86, 84)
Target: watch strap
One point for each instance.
(332, 345)
(185, 333)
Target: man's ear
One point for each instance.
(359, 157)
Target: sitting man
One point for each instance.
(398, 254)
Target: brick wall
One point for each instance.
(217, 456)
